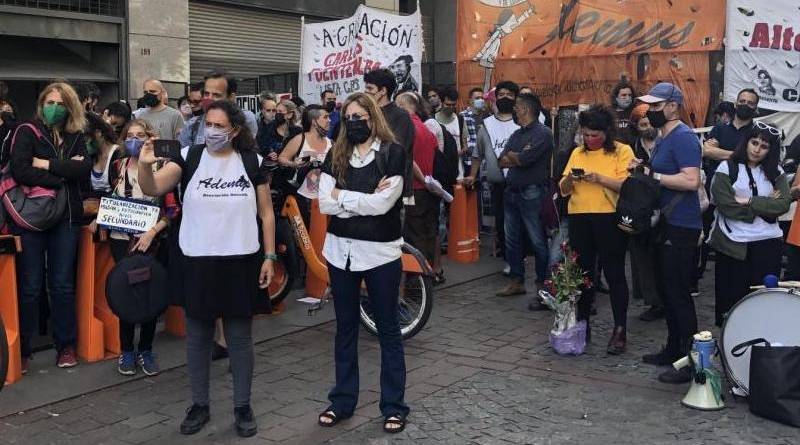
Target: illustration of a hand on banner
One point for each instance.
(507, 22)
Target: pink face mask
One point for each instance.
(594, 142)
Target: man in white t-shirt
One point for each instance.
(492, 138)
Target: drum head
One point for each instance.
(772, 314)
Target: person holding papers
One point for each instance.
(123, 181)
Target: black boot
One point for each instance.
(197, 417)
(245, 423)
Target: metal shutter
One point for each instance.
(246, 42)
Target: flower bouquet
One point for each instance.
(561, 294)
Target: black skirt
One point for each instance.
(213, 287)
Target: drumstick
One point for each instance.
(780, 284)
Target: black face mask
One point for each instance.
(657, 118)
(280, 118)
(7, 117)
(505, 105)
(330, 106)
(150, 100)
(744, 112)
(357, 131)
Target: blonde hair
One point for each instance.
(76, 119)
(149, 130)
(291, 107)
(343, 148)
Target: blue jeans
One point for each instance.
(383, 286)
(57, 250)
(522, 207)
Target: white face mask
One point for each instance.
(479, 104)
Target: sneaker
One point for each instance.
(245, 423)
(507, 270)
(662, 358)
(127, 363)
(515, 288)
(219, 352)
(675, 376)
(147, 361)
(196, 418)
(652, 314)
(66, 358)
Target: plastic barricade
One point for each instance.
(463, 242)
(98, 327)
(9, 309)
(315, 287)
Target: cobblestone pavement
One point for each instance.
(481, 372)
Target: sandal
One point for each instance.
(329, 415)
(398, 422)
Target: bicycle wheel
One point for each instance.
(415, 303)
(284, 268)
(3, 354)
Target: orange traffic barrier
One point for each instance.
(463, 242)
(793, 237)
(9, 246)
(175, 321)
(98, 327)
(315, 286)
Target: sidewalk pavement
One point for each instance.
(481, 372)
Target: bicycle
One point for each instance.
(291, 234)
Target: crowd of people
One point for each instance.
(377, 163)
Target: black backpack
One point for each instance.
(445, 163)
(639, 199)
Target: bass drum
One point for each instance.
(772, 314)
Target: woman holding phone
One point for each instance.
(592, 179)
(224, 186)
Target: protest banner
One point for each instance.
(572, 52)
(762, 52)
(336, 54)
(127, 215)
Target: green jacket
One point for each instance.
(727, 207)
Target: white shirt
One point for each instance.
(310, 185)
(499, 132)
(741, 231)
(452, 127)
(220, 210)
(100, 183)
(436, 129)
(363, 255)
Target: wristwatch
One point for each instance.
(657, 176)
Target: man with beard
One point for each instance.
(401, 68)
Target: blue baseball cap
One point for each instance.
(662, 92)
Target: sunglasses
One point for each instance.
(772, 130)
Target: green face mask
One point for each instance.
(91, 147)
(54, 114)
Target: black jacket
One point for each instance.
(403, 128)
(63, 171)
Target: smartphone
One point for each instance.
(578, 172)
(166, 148)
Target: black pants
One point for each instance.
(675, 271)
(596, 236)
(733, 277)
(498, 208)
(127, 331)
(422, 223)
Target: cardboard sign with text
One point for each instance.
(127, 215)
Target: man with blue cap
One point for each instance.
(675, 164)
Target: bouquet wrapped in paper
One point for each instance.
(561, 294)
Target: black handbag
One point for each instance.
(774, 380)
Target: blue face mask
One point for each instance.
(478, 104)
(134, 146)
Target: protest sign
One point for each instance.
(127, 215)
(336, 54)
(762, 52)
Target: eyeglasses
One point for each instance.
(772, 130)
